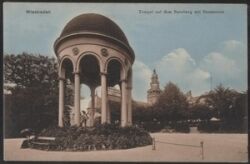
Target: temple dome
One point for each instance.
(95, 25)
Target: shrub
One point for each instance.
(208, 127)
(106, 136)
(152, 126)
(181, 127)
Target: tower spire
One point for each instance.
(154, 81)
(154, 91)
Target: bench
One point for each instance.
(45, 143)
(47, 138)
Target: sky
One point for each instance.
(196, 46)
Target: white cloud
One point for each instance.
(236, 51)
(141, 79)
(178, 59)
(179, 67)
(231, 44)
(228, 65)
(220, 65)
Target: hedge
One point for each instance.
(101, 137)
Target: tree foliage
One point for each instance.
(28, 70)
(172, 97)
(201, 111)
(172, 104)
(170, 108)
(221, 100)
(34, 99)
(229, 106)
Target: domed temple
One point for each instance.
(93, 50)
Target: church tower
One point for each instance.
(154, 91)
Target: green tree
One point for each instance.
(172, 104)
(201, 111)
(34, 99)
(28, 70)
(228, 105)
(141, 113)
(240, 112)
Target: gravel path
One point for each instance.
(217, 147)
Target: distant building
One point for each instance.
(190, 99)
(154, 92)
(201, 100)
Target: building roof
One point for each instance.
(95, 24)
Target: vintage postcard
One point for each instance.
(134, 82)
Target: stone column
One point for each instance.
(77, 98)
(124, 111)
(129, 94)
(108, 113)
(129, 103)
(92, 113)
(104, 97)
(61, 102)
